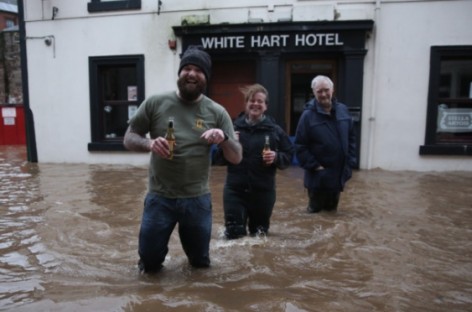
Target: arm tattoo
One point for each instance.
(134, 141)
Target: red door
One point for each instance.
(227, 77)
(12, 125)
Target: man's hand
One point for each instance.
(160, 146)
(213, 136)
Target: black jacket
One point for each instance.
(250, 173)
(329, 141)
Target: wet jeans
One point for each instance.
(247, 208)
(160, 217)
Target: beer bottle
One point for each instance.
(170, 137)
(265, 149)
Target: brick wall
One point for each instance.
(11, 91)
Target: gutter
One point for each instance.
(374, 95)
(32, 154)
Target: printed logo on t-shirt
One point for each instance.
(199, 124)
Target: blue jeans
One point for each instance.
(160, 216)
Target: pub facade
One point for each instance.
(406, 78)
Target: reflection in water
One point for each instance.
(401, 241)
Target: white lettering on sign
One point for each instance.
(267, 41)
(312, 40)
(271, 41)
(223, 42)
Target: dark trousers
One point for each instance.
(323, 200)
(247, 208)
(161, 215)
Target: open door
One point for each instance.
(299, 75)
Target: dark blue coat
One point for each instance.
(327, 140)
(250, 174)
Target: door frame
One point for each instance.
(332, 73)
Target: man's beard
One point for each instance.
(190, 91)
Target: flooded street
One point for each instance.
(400, 241)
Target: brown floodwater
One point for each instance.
(400, 241)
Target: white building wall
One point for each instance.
(396, 66)
(394, 120)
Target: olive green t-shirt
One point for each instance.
(187, 173)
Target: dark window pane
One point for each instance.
(116, 81)
(454, 110)
(115, 121)
(449, 114)
(456, 78)
(116, 89)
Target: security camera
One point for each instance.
(48, 41)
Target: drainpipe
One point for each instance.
(32, 154)
(373, 108)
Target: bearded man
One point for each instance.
(178, 187)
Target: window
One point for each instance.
(113, 5)
(9, 23)
(449, 115)
(116, 90)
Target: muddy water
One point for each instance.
(401, 241)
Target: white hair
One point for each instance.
(320, 78)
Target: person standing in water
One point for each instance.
(178, 188)
(325, 146)
(249, 193)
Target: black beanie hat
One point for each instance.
(195, 55)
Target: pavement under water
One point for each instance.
(400, 241)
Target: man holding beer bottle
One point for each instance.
(178, 187)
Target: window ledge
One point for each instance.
(461, 150)
(106, 147)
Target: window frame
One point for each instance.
(98, 143)
(101, 6)
(431, 146)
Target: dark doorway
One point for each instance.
(299, 75)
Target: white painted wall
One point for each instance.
(59, 83)
(396, 67)
(405, 31)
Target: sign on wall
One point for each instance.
(454, 119)
(9, 115)
(271, 41)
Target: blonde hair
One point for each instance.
(250, 90)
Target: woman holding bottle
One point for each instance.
(249, 193)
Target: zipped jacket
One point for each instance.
(326, 140)
(250, 173)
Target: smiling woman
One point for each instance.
(249, 194)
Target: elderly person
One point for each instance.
(325, 146)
